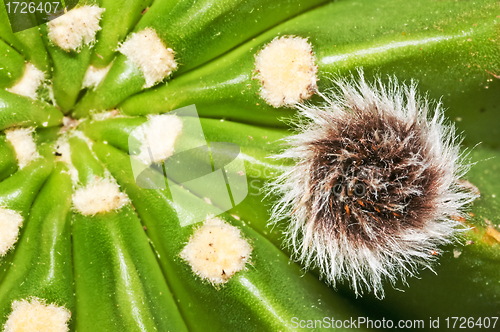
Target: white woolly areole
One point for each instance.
(148, 52)
(10, 222)
(94, 76)
(100, 196)
(29, 83)
(157, 137)
(287, 71)
(384, 249)
(24, 145)
(35, 315)
(216, 251)
(75, 28)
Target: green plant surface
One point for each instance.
(266, 296)
(448, 52)
(18, 192)
(42, 266)
(8, 162)
(216, 28)
(68, 69)
(256, 151)
(27, 42)
(22, 111)
(123, 269)
(108, 38)
(12, 65)
(114, 263)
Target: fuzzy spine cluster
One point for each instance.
(287, 71)
(76, 28)
(374, 190)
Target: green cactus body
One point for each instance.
(219, 27)
(42, 265)
(21, 111)
(89, 243)
(12, 65)
(249, 291)
(27, 42)
(417, 43)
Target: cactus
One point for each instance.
(299, 92)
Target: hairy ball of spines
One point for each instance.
(374, 190)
